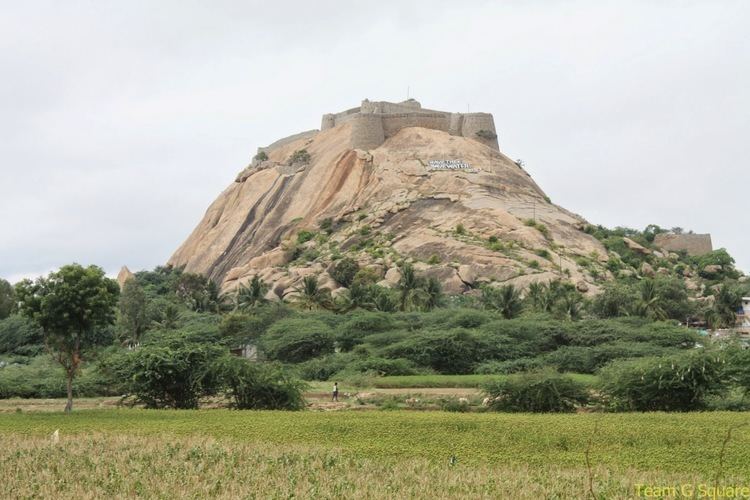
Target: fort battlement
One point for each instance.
(374, 122)
(693, 244)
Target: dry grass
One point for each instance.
(115, 466)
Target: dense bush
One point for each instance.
(675, 383)
(456, 351)
(41, 377)
(539, 392)
(295, 340)
(344, 271)
(20, 335)
(361, 324)
(256, 386)
(171, 371)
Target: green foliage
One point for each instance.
(460, 229)
(133, 319)
(256, 386)
(455, 351)
(21, 336)
(310, 295)
(344, 271)
(296, 340)
(251, 295)
(197, 292)
(172, 370)
(304, 236)
(675, 383)
(240, 328)
(359, 325)
(538, 392)
(7, 299)
(42, 377)
(72, 306)
(300, 156)
(327, 226)
(505, 299)
(261, 156)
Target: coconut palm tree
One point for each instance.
(252, 295)
(649, 302)
(311, 295)
(409, 285)
(506, 300)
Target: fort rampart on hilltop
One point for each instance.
(693, 244)
(375, 121)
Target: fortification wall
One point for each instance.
(385, 119)
(693, 244)
(474, 122)
(408, 106)
(392, 123)
(367, 131)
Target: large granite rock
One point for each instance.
(387, 203)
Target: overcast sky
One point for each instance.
(122, 121)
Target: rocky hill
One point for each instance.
(445, 199)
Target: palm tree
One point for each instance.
(252, 295)
(650, 302)
(505, 299)
(311, 295)
(409, 286)
(168, 318)
(433, 294)
(726, 303)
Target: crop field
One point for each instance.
(114, 452)
(446, 381)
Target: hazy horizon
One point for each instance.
(123, 122)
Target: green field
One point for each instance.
(365, 454)
(438, 381)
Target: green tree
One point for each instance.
(310, 295)
(726, 302)
(171, 371)
(506, 300)
(133, 320)
(344, 271)
(410, 288)
(197, 292)
(252, 295)
(70, 305)
(296, 340)
(256, 386)
(433, 294)
(7, 299)
(649, 303)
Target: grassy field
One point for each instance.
(446, 381)
(365, 454)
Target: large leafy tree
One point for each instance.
(133, 320)
(7, 299)
(71, 305)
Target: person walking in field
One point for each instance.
(335, 396)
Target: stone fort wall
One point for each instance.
(693, 244)
(373, 122)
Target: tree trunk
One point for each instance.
(69, 383)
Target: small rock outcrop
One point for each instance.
(123, 276)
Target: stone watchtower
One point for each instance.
(373, 122)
